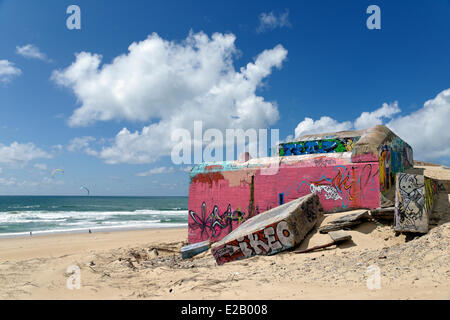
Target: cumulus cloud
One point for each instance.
(426, 129)
(9, 182)
(82, 144)
(158, 170)
(13, 182)
(41, 166)
(270, 21)
(8, 71)
(20, 153)
(324, 124)
(370, 119)
(47, 180)
(364, 121)
(170, 85)
(32, 52)
(184, 169)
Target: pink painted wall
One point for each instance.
(339, 187)
(221, 201)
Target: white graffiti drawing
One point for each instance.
(330, 192)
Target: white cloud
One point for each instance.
(41, 166)
(184, 169)
(370, 119)
(82, 144)
(31, 51)
(170, 85)
(20, 153)
(28, 184)
(8, 71)
(269, 21)
(8, 182)
(47, 180)
(426, 130)
(364, 121)
(57, 148)
(158, 170)
(324, 124)
(14, 182)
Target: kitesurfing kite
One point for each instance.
(84, 188)
(54, 171)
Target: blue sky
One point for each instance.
(320, 62)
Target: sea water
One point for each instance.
(20, 215)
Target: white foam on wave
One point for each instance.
(55, 216)
(140, 226)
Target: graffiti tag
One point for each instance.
(212, 225)
(272, 239)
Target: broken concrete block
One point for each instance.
(383, 213)
(414, 200)
(339, 236)
(361, 215)
(338, 226)
(346, 221)
(270, 232)
(194, 249)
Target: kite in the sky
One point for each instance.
(84, 188)
(54, 171)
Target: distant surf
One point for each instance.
(20, 215)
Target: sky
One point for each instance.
(102, 102)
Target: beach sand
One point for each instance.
(146, 264)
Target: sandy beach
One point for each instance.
(146, 264)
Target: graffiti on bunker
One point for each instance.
(272, 239)
(211, 225)
(319, 146)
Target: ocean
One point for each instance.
(20, 215)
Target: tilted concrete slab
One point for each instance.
(273, 231)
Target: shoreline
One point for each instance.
(42, 233)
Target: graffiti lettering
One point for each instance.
(319, 146)
(256, 243)
(324, 162)
(347, 185)
(212, 225)
(269, 233)
(270, 240)
(330, 192)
